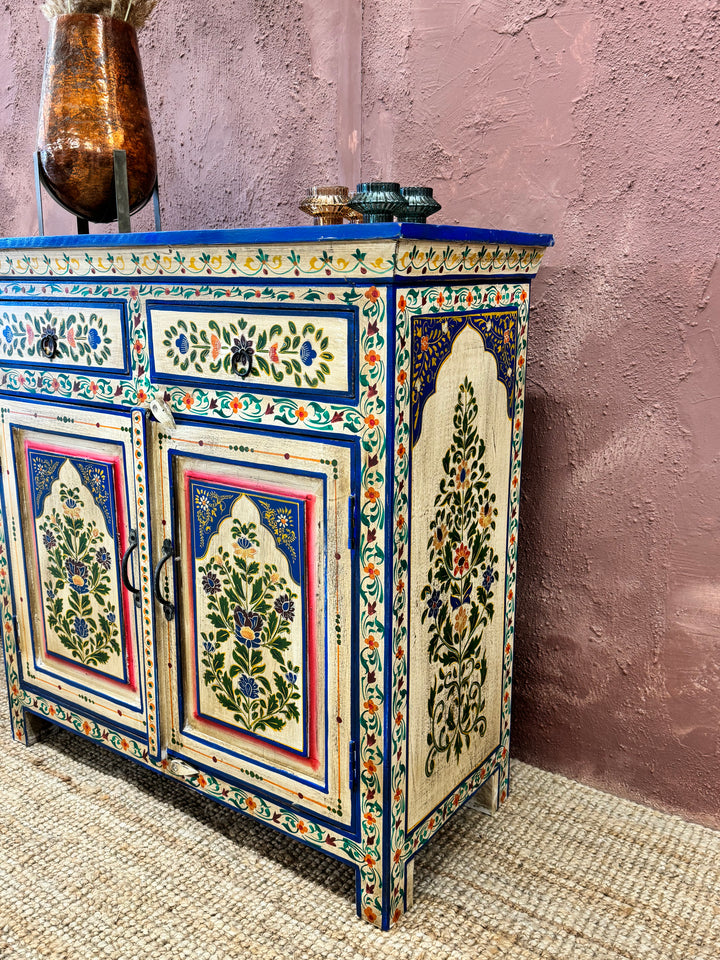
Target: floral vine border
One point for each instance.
(410, 303)
(377, 258)
(144, 567)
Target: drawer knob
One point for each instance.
(49, 345)
(241, 357)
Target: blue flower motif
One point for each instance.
(77, 575)
(103, 558)
(291, 678)
(488, 577)
(111, 618)
(285, 607)
(247, 686)
(8, 333)
(210, 647)
(94, 338)
(211, 584)
(434, 604)
(80, 626)
(49, 539)
(307, 354)
(182, 343)
(248, 627)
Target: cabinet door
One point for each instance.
(71, 503)
(259, 644)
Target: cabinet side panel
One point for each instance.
(460, 470)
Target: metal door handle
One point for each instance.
(167, 554)
(124, 564)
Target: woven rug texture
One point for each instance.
(103, 859)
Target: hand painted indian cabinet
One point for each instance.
(260, 499)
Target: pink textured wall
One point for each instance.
(595, 120)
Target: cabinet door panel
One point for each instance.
(76, 621)
(260, 678)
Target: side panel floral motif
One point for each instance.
(459, 591)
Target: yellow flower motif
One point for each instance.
(461, 620)
(439, 536)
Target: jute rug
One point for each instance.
(101, 859)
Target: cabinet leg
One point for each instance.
(28, 728)
(487, 797)
(401, 898)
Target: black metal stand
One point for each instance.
(122, 197)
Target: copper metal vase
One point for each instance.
(93, 102)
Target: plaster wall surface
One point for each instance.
(597, 121)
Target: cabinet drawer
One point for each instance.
(274, 347)
(62, 333)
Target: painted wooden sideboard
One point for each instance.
(260, 509)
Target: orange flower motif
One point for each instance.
(215, 346)
(469, 299)
(137, 346)
(506, 337)
(372, 494)
(273, 353)
(302, 826)
(370, 767)
(188, 400)
(402, 376)
(371, 421)
(93, 387)
(462, 560)
(521, 361)
(402, 303)
(124, 744)
(86, 728)
(373, 294)
(396, 914)
(141, 396)
(371, 570)
(400, 522)
(461, 620)
(371, 706)
(400, 586)
(369, 818)
(440, 299)
(371, 642)
(401, 450)
(235, 404)
(369, 860)
(424, 344)
(372, 357)
(523, 296)
(369, 914)
(250, 804)
(396, 856)
(301, 413)
(498, 297)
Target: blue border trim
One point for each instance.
(66, 366)
(350, 314)
(352, 444)
(302, 586)
(140, 711)
(298, 234)
(410, 833)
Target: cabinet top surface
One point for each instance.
(435, 233)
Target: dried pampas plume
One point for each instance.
(135, 12)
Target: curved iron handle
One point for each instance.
(124, 563)
(167, 554)
(49, 345)
(242, 352)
